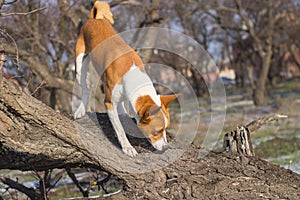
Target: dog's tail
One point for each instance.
(101, 10)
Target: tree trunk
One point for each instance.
(35, 137)
(260, 88)
(250, 76)
(152, 20)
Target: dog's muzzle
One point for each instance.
(160, 144)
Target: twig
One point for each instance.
(4, 34)
(20, 13)
(256, 124)
(55, 180)
(17, 186)
(30, 78)
(85, 193)
(42, 185)
(39, 87)
(102, 182)
(130, 2)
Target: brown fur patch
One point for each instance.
(166, 100)
(142, 106)
(114, 53)
(154, 138)
(152, 120)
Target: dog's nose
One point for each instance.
(160, 144)
(165, 147)
(161, 151)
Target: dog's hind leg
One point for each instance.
(82, 66)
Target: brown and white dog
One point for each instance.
(125, 80)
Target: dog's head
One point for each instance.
(101, 10)
(154, 119)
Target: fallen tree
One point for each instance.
(35, 137)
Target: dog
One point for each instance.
(125, 81)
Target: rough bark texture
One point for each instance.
(239, 140)
(33, 136)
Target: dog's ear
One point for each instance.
(148, 112)
(154, 110)
(101, 10)
(144, 115)
(166, 99)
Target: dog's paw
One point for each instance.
(130, 151)
(80, 112)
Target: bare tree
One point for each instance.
(262, 22)
(45, 33)
(256, 29)
(196, 23)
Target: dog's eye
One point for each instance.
(158, 131)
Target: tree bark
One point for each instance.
(35, 137)
(239, 140)
(260, 88)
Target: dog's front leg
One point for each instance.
(81, 76)
(127, 148)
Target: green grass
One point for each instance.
(277, 147)
(291, 85)
(264, 132)
(285, 160)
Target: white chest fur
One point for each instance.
(136, 84)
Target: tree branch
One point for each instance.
(48, 79)
(85, 193)
(250, 27)
(30, 192)
(22, 13)
(23, 135)
(118, 2)
(256, 124)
